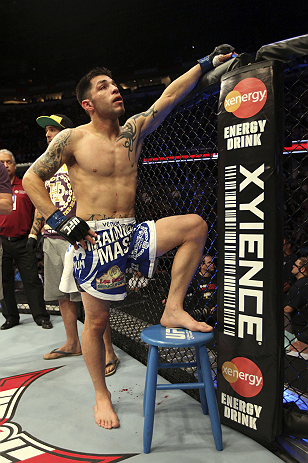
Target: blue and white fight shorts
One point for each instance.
(100, 269)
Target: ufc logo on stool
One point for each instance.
(71, 225)
(176, 333)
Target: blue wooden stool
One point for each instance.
(158, 336)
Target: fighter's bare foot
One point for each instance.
(105, 415)
(182, 319)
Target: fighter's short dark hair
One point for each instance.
(84, 85)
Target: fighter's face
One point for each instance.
(51, 131)
(105, 97)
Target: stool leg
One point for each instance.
(150, 395)
(211, 397)
(146, 382)
(200, 380)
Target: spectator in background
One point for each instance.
(14, 233)
(54, 248)
(6, 201)
(6, 207)
(203, 291)
(289, 259)
(296, 303)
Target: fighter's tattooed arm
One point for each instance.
(129, 132)
(47, 164)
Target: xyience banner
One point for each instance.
(250, 315)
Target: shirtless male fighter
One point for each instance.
(102, 158)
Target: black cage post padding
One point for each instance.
(250, 316)
(285, 50)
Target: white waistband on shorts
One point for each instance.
(105, 224)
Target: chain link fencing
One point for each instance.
(177, 175)
(295, 169)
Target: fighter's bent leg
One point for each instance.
(93, 350)
(189, 232)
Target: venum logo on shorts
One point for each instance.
(112, 279)
(247, 98)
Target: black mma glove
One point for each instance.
(71, 228)
(211, 61)
(31, 243)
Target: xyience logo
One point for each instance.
(244, 376)
(247, 98)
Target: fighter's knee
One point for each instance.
(204, 228)
(200, 224)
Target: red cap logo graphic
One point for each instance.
(244, 376)
(247, 98)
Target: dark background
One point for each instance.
(53, 40)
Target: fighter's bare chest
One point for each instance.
(108, 157)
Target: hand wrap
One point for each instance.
(71, 228)
(209, 62)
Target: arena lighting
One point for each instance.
(296, 147)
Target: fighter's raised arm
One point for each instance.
(174, 93)
(178, 90)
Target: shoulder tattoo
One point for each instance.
(47, 164)
(129, 132)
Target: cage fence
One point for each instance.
(295, 170)
(178, 175)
